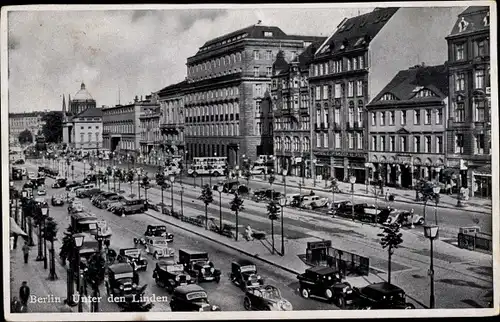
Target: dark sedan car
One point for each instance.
(132, 256)
(265, 298)
(381, 296)
(244, 274)
(191, 297)
(57, 200)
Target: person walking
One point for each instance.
(26, 251)
(24, 295)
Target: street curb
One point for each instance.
(227, 245)
(370, 196)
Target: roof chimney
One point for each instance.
(136, 98)
(423, 64)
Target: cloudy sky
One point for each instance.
(136, 51)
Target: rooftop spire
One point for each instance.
(64, 105)
(82, 86)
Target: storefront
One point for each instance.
(481, 185)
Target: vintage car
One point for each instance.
(244, 274)
(191, 297)
(96, 200)
(114, 198)
(41, 191)
(75, 206)
(57, 200)
(130, 206)
(73, 185)
(133, 257)
(198, 265)
(380, 296)
(371, 213)
(265, 298)
(122, 281)
(87, 193)
(325, 282)
(158, 247)
(337, 206)
(170, 275)
(156, 231)
(113, 205)
(313, 202)
(404, 218)
(59, 183)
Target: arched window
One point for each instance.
(278, 143)
(226, 110)
(231, 111)
(226, 129)
(288, 144)
(233, 58)
(296, 144)
(231, 130)
(236, 91)
(306, 144)
(238, 56)
(236, 107)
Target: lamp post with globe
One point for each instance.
(282, 203)
(431, 232)
(352, 180)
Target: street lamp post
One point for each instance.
(114, 178)
(45, 214)
(220, 188)
(431, 232)
(367, 174)
(282, 203)
(84, 167)
(139, 183)
(182, 203)
(284, 172)
(436, 189)
(77, 240)
(39, 257)
(171, 178)
(352, 180)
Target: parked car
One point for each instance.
(158, 247)
(41, 191)
(59, 183)
(325, 282)
(381, 296)
(191, 298)
(87, 193)
(100, 197)
(114, 198)
(57, 200)
(265, 298)
(130, 206)
(75, 206)
(170, 275)
(156, 231)
(404, 218)
(197, 264)
(371, 213)
(132, 256)
(338, 206)
(72, 186)
(113, 205)
(313, 202)
(122, 281)
(244, 274)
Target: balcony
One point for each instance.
(171, 127)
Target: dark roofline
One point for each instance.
(177, 86)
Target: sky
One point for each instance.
(134, 52)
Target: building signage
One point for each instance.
(347, 154)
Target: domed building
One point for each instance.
(82, 125)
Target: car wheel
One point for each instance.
(305, 293)
(340, 302)
(409, 306)
(247, 304)
(420, 221)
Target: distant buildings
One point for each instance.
(82, 123)
(121, 127)
(150, 140)
(18, 122)
(407, 122)
(227, 104)
(469, 126)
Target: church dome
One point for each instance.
(83, 94)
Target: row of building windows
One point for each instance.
(481, 47)
(479, 144)
(211, 111)
(325, 92)
(354, 115)
(481, 110)
(119, 110)
(213, 94)
(389, 117)
(227, 60)
(285, 144)
(227, 129)
(294, 82)
(379, 144)
(127, 145)
(89, 127)
(481, 79)
(354, 140)
(338, 66)
(119, 128)
(286, 124)
(90, 137)
(293, 102)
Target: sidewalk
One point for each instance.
(401, 195)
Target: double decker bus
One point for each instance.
(214, 166)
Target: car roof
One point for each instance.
(384, 287)
(322, 270)
(121, 268)
(122, 250)
(189, 288)
(243, 262)
(191, 252)
(164, 263)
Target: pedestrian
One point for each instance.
(15, 240)
(15, 305)
(24, 294)
(26, 251)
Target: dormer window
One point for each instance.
(462, 25)
(388, 97)
(268, 33)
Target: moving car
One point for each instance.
(371, 213)
(75, 206)
(132, 256)
(156, 231)
(170, 275)
(100, 197)
(57, 200)
(325, 282)
(130, 206)
(404, 218)
(114, 198)
(41, 191)
(158, 247)
(265, 298)
(244, 274)
(122, 282)
(313, 202)
(380, 296)
(191, 298)
(59, 183)
(72, 186)
(197, 264)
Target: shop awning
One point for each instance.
(15, 229)
(484, 170)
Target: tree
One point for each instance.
(426, 190)
(391, 239)
(160, 180)
(272, 210)
(207, 198)
(334, 186)
(50, 235)
(53, 127)
(236, 205)
(25, 137)
(119, 175)
(145, 184)
(130, 179)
